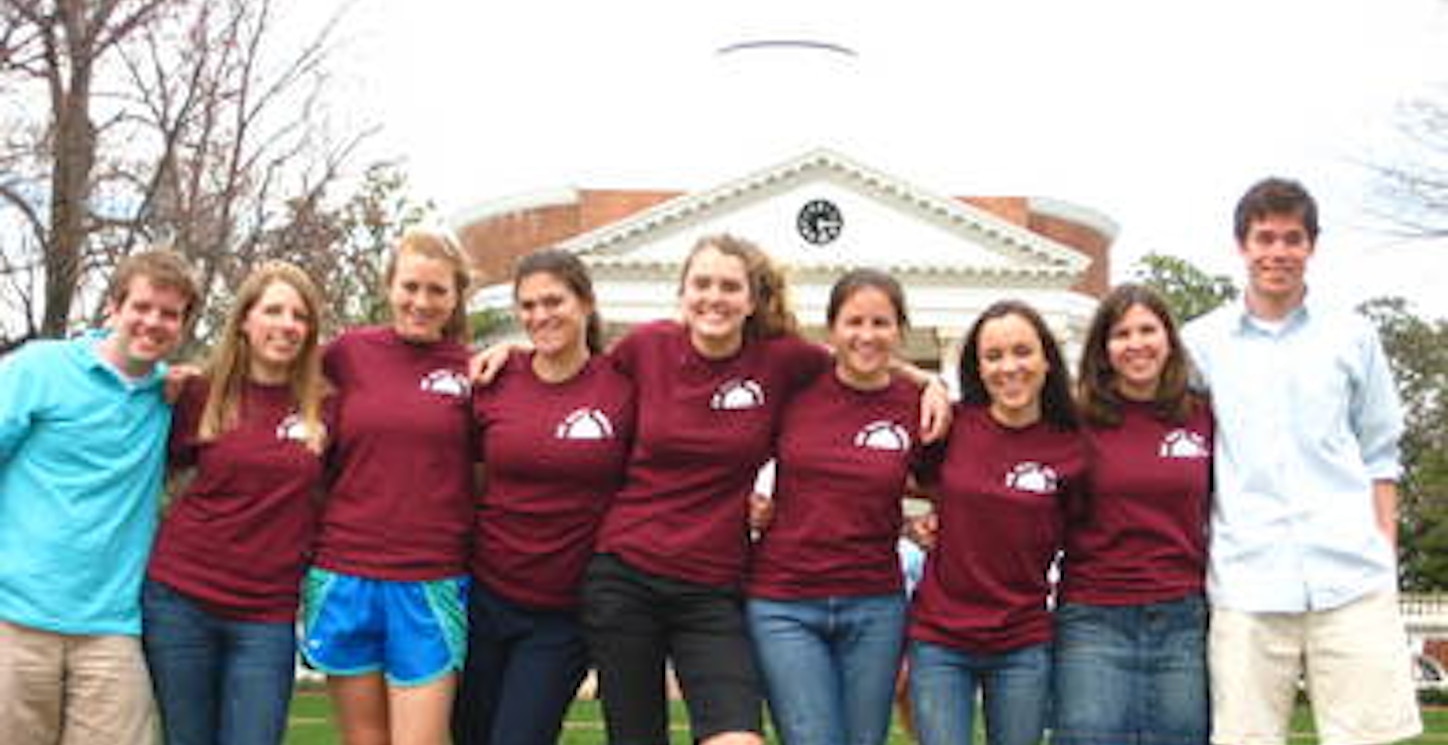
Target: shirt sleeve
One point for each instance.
(186, 423)
(1376, 415)
(802, 359)
(20, 398)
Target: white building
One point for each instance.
(820, 215)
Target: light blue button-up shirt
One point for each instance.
(1307, 418)
(81, 455)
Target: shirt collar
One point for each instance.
(1295, 317)
(87, 347)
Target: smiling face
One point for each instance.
(1013, 369)
(145, 326)
(554, 317)
(422, 296)
(1137, 349)
(715, 301)
(865, 335)
(276, 328)
(1276, 250)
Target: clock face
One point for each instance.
(820, 221)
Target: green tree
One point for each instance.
(1418, 352)
(1188, 290)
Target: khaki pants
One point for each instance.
(1354, 660)
(62, 689)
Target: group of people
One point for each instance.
(1157, 553)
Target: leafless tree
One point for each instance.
(1410, 186)
(176, 121)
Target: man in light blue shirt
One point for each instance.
(83, 429)
(1302, 571)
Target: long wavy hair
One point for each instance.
(1096, 384)
(1057, 408)
(228, 366)
(768, 289)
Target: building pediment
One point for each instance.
(881, 221)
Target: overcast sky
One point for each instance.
(1157, 115)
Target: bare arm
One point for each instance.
(934, 399)
(1385, 509)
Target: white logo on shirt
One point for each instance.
(1181, 443)
(584, 424)
(1033, 477)
(738, 394)
(292, 428)
(883, 435)
(446, 382)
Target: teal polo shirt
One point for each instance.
(82, 449)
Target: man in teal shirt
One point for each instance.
(83, 428)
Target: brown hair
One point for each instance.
(768, 290)
(859, 279)
(229, 363)
(438, 246)
(1275, 196)
(164, 269)
(1096, 386)
(568, 269)
(1057, 407)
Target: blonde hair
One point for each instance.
(229, 363)
(772, 314)
(439, 246)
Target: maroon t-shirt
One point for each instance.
(1001, 495)
(843, 456)
(400, 504)
(1138, 533)
(554, 455)
(704, 427)
(238, 538)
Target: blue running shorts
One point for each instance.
(411, 632)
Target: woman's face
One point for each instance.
(422, 296)
(1013, 367)
(276, 328)
(1137, 350)
(865, 336)
(555, 318)
(715, 300)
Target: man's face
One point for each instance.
(1276, 250)
(146, 326)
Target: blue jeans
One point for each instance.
(1015, 689)
(217, 680)
(522, 671)
(1132, 675)
(829, 665)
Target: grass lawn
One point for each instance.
(311, 725)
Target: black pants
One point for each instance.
(523, 669)
(634, 621)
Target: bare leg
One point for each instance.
(361, 704)
(420, 713)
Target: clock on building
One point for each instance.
(820, 221)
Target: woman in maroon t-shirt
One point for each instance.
(1131, 628)
(979, 619)
(220, 600)
(554, 429)
(385, 598)
(665, 583)
(826, 604)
